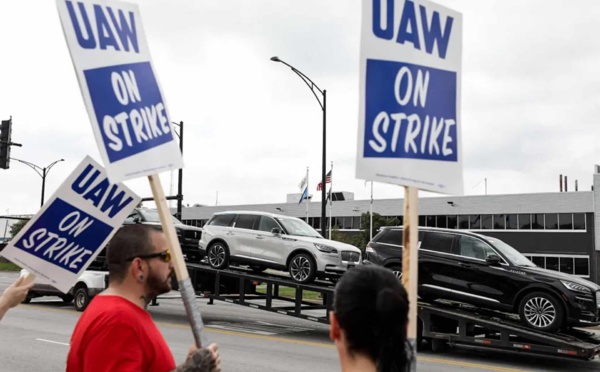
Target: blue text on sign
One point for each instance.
(105, 29)
(103, 195)
(408, 27)
(64, 236)
(410, 112)
(129, 109)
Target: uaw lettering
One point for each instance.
(65, 235)
(411, 25)
(129, 109)
(101, 27)
(403, 118)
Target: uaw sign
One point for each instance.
(125, 104)
(69, 231)
(409, 113)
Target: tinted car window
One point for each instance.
(474, 248)
(132, 216)
(246, 221)
(391, 237)
(221, 220)
(438, 242)
(267, 224)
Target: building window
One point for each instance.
(565, 221)
(452, 222)
(537, 221)
(566, 265)
(422, 221)
(582, 266)
(539, 261)
(551, 221)
(441, 221)
(574, 265)
(512, 222)
(431, 221)
(463, 222)
(486, 221)
(356, 223)
(579, 221)
(552, 263)
(524, 222)
(475, 222)
(499, 222)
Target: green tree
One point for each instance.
(362, 239)
(17, 226)
(378, 221)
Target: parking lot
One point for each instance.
(36, 337)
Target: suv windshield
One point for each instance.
(511, 254)
(298, 228)
(152, 216)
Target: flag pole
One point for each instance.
(330, 198)
(307, 195)
(371, 215)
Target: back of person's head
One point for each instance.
(130, 241)
(371, 307)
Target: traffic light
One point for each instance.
(5, 130)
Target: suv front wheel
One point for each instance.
(397, 270)
(218, 255)
(541, 311)
(302, 268)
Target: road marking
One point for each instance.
(51, 342)
(307, 343)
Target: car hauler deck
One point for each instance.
(263, 291)
(442, 323)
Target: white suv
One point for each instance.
(266, 240)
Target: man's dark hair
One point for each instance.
(130, 241)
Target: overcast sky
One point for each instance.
(530, 96)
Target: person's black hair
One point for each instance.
(130, 241)
(371, 307)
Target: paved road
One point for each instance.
(36, 337)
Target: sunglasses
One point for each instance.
(165, 256)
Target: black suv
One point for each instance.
(189, 236)
(486, 272)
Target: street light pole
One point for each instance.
(180, 178)
(42, 172)
(312, 86)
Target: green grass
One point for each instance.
(9, 266)
(290, 292)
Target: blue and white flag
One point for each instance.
(304, 195)
(304, 182)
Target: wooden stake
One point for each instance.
(410, 268)
(185, 285)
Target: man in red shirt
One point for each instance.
(115, 332)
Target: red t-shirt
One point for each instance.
(114, 334)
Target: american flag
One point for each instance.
(327, 180)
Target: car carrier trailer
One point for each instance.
(446, 324)
(442, 323)
(262, 291)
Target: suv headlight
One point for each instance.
(576, 287)
(325, 248)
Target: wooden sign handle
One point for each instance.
(410, 268)
(183, 278)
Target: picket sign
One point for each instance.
(127, 109)
(409, 127)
